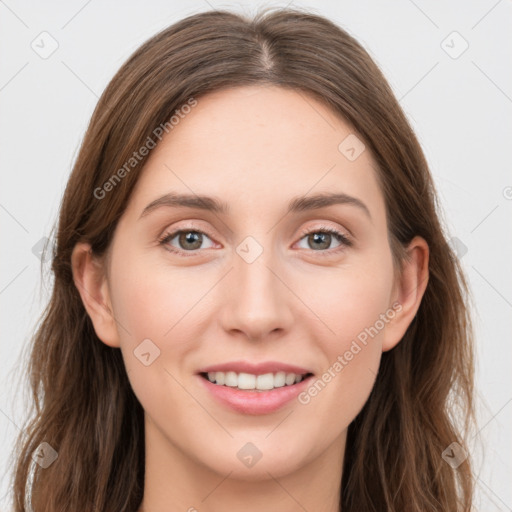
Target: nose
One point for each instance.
(258, 302)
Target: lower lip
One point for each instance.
(255, 402)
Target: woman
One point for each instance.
(311, 350)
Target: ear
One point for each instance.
(90, 279)
(408, 292)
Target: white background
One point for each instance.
(460, 108)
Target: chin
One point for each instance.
(253, 459)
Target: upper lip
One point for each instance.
(255, 368)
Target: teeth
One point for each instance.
(249, 381)
(230, 379)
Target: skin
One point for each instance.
(254, 148)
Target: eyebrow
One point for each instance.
(296, 205)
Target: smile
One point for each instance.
(248, 381)
(255, 401)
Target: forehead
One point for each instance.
(255, 146)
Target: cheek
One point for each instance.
(351, 359)
(353, 304)
(151, 318)
(347, 300)
(150, 301)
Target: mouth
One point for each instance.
(254, 394)
(250, 387)
(255, 383)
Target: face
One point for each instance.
(311, 287)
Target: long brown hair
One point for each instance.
(85, 409)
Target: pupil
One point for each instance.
(319, 237)
(191, 237)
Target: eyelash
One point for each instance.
(342, 238)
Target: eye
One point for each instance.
(189, 240)
(321, 238)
